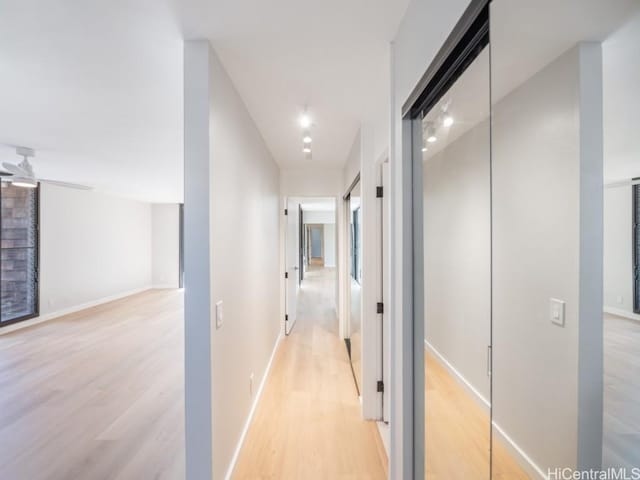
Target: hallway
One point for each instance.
(308, 424)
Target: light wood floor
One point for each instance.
(97, 394)
(457, 432)
(621, 392)
(308, 424)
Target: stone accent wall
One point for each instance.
(18, 242)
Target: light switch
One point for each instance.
(219, 317)
(556, 311)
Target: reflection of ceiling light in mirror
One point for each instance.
(447, 121)
(431, 134)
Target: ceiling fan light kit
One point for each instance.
(22, 174)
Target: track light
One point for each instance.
(306, 149)
(306, 138)
(305, 120)
(447, 121)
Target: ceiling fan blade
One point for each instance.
(65, 184)
(15, 169)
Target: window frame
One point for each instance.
(635, 244)
(36, 311)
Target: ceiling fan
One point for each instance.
(22, 174)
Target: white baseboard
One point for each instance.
(385, 435)
(528, 465)
(477, 396)
(165, 286)
(247, 423)
(622, 313)
(66, 311)
(522, 458)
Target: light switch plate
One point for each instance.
(219, 317)
(556, 311)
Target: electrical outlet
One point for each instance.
(251, 384)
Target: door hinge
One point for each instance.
(379, 307)
(380, 386)
(379, 192)
(286, 318)
(286, 211)
(286, 274)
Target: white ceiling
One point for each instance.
(318, 204)
(96, 87)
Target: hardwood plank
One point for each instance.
(308, 423)
(97, 394)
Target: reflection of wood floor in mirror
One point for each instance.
(457, 432)
(621, 392)
(308, 424)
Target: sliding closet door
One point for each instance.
(456, 152)
(550, 161)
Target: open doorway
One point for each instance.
(310, 258)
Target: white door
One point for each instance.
(292, 259)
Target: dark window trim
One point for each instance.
(36, 312)
(635, 199)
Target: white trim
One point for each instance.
(247, 424)
(69, 310)
(622, 313)
(385, 433)
(458, 376)
(164, 286)
(522, 458)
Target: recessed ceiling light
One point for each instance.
(447, 121)
(305, 120)
(306, 138)
(306, 149)
(431, 135)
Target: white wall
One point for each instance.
(457, 255)
(244, 224)
(165, 245)
(618, 251)
(547, 185)
(92, 246)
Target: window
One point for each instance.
(636, 248)
(19, 253)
